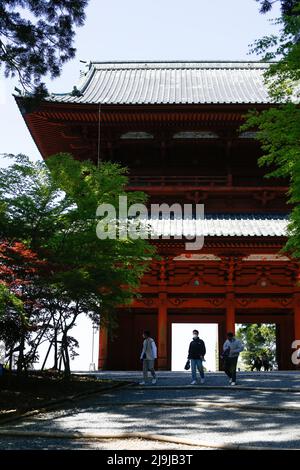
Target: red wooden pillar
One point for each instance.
(162, 331)
(103, 343)
(230, 299)
(297, 316)
(230, 312)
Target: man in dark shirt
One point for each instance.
(196, 355)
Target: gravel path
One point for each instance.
(11, 443)
(151, 411)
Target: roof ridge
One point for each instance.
(219, 64)
(181, 61)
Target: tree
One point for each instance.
(54, 214)
(284, 48)
(19, 270)
(279, 127)
(259, 340)
(36, 37)
(287, 6)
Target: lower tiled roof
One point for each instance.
(229, 225)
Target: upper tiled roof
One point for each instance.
(171, 83)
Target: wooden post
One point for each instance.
(297, 316)
(162, 331)
(103, 343)
(230, 299)
(230, 312)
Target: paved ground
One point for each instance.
(284, 379)
(204, 414)
(10, 443)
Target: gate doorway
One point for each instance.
(260, 341)
(181, 336)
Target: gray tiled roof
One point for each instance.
(230, 225)
(171, 83)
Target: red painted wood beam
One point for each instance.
(229, 300)
(230, 312)
(103, 348)
(162, 361)
(297, 316)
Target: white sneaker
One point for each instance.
(202, 381)
(142, 383)
(154, 381)
(194, 382)
(233, 383)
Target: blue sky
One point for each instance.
(145, 30)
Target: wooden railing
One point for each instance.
(179, 181)
(138, 181)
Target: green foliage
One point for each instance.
(51, 209)
(259, 340)
(109, 264)
(287, 6)
(7, 298)
(36, 37)
(54, 213)
(279, 127)
(33, 206)
(283, 74)
(279, 134)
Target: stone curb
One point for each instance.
(215, 387)
(52, 405)
(139, 435)
(137, 375)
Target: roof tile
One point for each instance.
(222, 226)
(171, 83)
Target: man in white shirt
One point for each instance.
(148, 356)
(231, 350)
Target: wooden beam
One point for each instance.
(230, 312)
(103, 348)
(297, 316)
(162, 331)
(252, 302)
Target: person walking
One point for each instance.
(231, 350)
(148, 356)
(196, 355)
(257, 364)
(266, 363)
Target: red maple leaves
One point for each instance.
(19, 267)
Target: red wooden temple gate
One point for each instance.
(176, 127)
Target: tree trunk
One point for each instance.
(10, 359)
(20, 362)
(46, 357)
(55, 366)
(38, 341)
(67, 372)
(60, 362)
(65, 347)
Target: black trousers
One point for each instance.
(230, 367)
